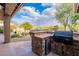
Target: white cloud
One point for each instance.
(21, 20)
(43, 17)
(34, 15)
(51, 4)
(51, 12)
(48, 4)
(26, 17)
(30, 11)
(17, 20)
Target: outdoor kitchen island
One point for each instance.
(41, 43)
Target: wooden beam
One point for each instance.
(75, 7)
(1, 12)
(2, 4)
(17, 9)
(9, 8)
(8, 15)
(7, 29)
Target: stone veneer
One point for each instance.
(39, 41)
(38, 46)
(68, 50)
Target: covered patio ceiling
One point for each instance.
(9, 9)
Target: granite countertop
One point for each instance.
(76, 37)
(43, 35)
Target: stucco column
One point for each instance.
(7, 29)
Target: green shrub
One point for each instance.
(1, 30)
(15, 35)
(23, 34)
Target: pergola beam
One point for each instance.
(9, 8)
(76, 7)
(9, 11)
(7, 29)
(1, 12)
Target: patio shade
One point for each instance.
(9, 9)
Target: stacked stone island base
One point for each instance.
(41, 44)
(40, 47)
(69, 50)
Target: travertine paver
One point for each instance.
(19, 48)
(22, 48)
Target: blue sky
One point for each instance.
(37, 14)
(38, 6)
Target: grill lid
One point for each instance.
(65, 37)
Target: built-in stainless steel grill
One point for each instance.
(65, 37)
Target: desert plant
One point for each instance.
(64, 12)
(1, 30)
(15, 35)
(73, 21)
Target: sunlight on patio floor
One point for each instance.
(20, 48)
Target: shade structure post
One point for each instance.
(7, 29)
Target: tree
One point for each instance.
(55, 28)
(26, 26)
(64, 12)
(73, 22)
